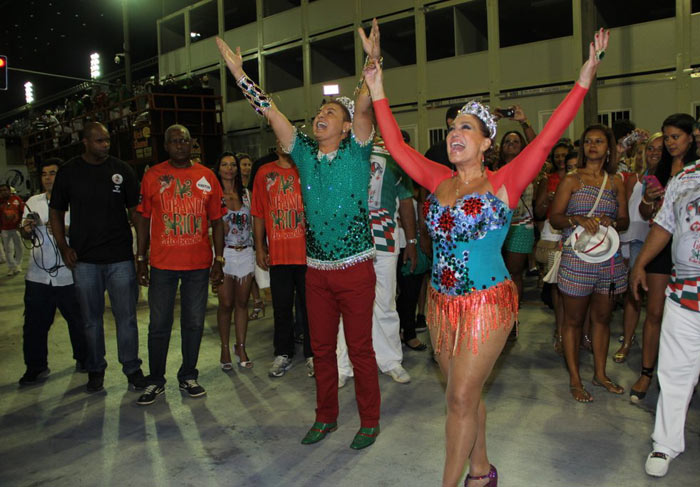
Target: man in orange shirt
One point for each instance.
(179, 199)
(279, 212)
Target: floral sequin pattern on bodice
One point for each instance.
(467, 240)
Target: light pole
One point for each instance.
(127, 45)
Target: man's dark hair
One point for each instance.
(622, 127)
(5, 185)
(51, 161)
(452, 113)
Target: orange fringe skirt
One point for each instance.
(458, 322)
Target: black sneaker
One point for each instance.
(149, 397)
(95, 381)
(192, 387)
(31, 376)
(137, 382)
(80, 367)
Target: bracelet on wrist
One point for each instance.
(648, 203)
(412, 241)
(140, 258)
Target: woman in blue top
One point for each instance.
(472, 300)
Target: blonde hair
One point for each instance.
(651, 139)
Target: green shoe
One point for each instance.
(364, 438)
(318, 432)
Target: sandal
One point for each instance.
(586, 343)
(621, 355)
(244, 364)
(609, 386)
(258, 310)
(637, 396)
(580, 394)
(559, 345)
(225, 366)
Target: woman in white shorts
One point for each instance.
(240, 262)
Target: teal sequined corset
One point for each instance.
(467, 241)
(335, 202)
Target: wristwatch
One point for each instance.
(412, 241)
(220, 259)
(140, 258)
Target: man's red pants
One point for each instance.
(350, 293)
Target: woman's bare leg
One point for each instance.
(223, 317)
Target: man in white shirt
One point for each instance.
(679, 345)
(49, 285)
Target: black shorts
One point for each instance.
(662, 263)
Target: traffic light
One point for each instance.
(3, 72)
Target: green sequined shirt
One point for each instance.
(334, 187)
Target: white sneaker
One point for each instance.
(657, 464)
(342, 380)
(310, 367)
(280, 366)
(399, 374)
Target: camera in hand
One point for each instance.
(35, 218)
(506, 112)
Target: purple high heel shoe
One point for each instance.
(492, 476)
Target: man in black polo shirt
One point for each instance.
(99, 190)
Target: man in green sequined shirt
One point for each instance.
(340, 279)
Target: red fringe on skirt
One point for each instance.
(464, 321)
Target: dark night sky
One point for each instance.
(58, 36)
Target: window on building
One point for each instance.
(284, 70)
(608, 117)
(523, 21)
(172, 6)
(440, 33)
(470, 27)
(627, 12)
(399, 43)
(203, 22)
(172, 34)
(238, 13)
(233, 92)
(695, 6)
(333, 58)
(436, 135)
(272, 7)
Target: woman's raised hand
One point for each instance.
(234, 60)
(596, 51)
(371, 44)
(374, 79)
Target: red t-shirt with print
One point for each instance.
(277, 199)
(11, 213)
(180, 203)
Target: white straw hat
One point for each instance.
(595, 248)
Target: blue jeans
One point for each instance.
(194, 288)
(119, 279)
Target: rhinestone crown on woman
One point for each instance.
(483, 113)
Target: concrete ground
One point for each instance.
(246, 431)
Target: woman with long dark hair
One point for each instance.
(593, 196)
(240, 262)
(678, 151)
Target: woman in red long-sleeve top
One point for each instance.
(472, 300)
